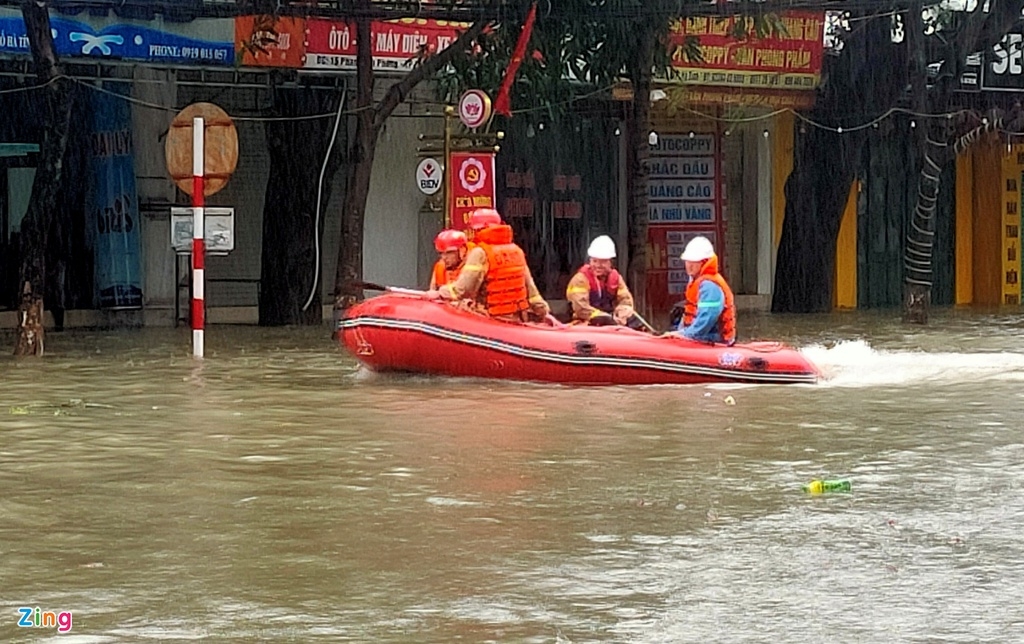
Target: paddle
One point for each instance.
(373, 286)
(646, 323)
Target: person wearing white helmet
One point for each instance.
(709, 310)
(598, 294)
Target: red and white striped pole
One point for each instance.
(198, 238)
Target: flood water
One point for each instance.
(278, 492)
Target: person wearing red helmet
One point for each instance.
(482, 218)
(495, 273)
(452, 245)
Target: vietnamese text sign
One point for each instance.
(679, 213)
(206, 41)
(684, 193)
(773, 98)
(681, 168)
(397, 44)
(684, 144)
(472, 185)
(680, 189)
(787, 61)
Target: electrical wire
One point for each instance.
(720, 119)
(319, 195)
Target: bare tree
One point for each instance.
(42, 206)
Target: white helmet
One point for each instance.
(602, 248)
(698, 250)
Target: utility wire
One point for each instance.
(840, 129)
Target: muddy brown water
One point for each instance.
(276, 491)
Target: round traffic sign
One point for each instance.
(429, 176)
(474, 108)
(220, 147)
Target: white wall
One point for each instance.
(391, 245)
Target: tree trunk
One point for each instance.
(824, 167)
(825, 163)
(290, 264)
(639, 149)
(369, 121)
(975, 34)
(347, 287)
(56, 97)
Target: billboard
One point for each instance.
(201, 42)
(397, 44)
(112, 202)
(789, 61)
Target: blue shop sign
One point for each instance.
(128, 40)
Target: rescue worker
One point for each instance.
(495, 273)
(598, 294)
(482, 218)
(709, 310)
(452, 246)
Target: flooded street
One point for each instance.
(276, 491)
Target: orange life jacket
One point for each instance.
(727, 320)
(444, 276)
(504, 290)
(603, 297)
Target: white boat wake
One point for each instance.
(855, 363)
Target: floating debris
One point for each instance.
(828, 485)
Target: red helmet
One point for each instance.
(483, 217)
(447, 240)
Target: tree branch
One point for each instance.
(400, 90)
(980, 32)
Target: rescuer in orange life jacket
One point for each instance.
(452, 245)
(495, 273)
(598, 294)
(709, 310)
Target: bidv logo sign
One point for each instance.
(1004, 65)
(429, 176)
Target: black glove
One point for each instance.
(675, 318)
(602, 320)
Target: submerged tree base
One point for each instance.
(30, 325)
(918, 300)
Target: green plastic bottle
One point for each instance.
(828, 485)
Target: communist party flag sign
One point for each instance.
(472, 185)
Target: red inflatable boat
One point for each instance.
(398, 332)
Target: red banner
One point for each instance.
(397, 44)
(471, 185)
(787, 61)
